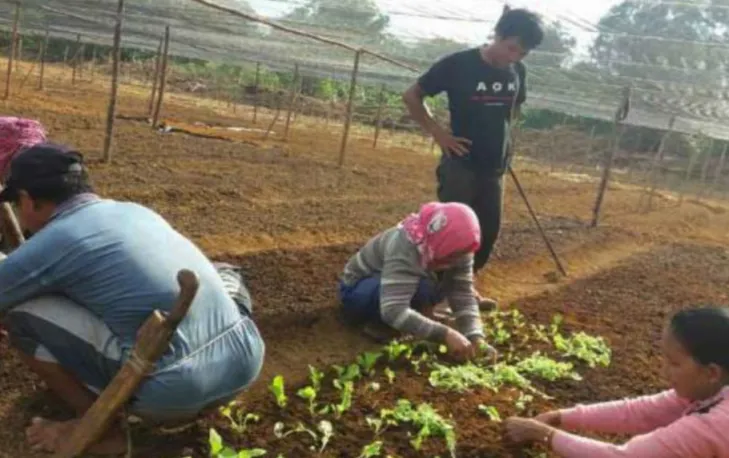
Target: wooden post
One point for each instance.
(350, 107)
(19, 53)
(13, 49)
(163, 77)
(74, 60)
(590, 146)
(378, 116)
(705, 168)
(656, 162)
(720, 169)
(687, 177)
(42, 59)
(93, 62)
(620, 115)
(111, 115)
(292, 100)
(255, 92)
(274, 120)
(157, 65)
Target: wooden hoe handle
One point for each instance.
(152, 341)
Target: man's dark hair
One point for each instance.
(60, 189)
(522, 24)
(704, 333)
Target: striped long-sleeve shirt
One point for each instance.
(397, 260)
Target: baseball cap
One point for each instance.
(39, 164)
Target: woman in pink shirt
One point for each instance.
(689, 421)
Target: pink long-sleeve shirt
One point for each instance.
(665, 425)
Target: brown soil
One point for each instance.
(286, 212)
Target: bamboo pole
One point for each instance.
(111, 115)
(13, 49)
(157, 65)
(656, 162)
(44, 49)
(620, 115)
(292, 101)
(350, 107)
(255, 92)
(163, 77)
(378, 116)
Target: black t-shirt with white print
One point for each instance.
(480, 99)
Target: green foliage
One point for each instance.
(428, 421)
(219, 450)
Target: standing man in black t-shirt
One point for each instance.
(483, 85)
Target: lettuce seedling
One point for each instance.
(278, 390)
(316, 376)
(367, 362)
(327, 431)
(390, 374)
(309, 393)
(371, 450)
(219, 450)
(491, 412)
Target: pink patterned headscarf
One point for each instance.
(15, 134)
(440, 230)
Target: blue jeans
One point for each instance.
(361, 301)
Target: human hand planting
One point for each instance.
(459, 347)
(553, 418)
(485, 350)
(525, 430)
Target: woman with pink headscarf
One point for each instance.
(15, 135)
(399, 276)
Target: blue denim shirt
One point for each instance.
(120, 261)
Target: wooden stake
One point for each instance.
(620, 115)
(720, 169)
(687, 177)
(590, 146)
(42, 59)
(705, 168)
(656, 162)
(111, 114)
(157, 68)
(163, 77)
(273, 121)
(350, 107)
(13, 49)
(93, 62)
(378, 116)
(292, 101)
(19, 53)
(74, 60)
(255, 92)
(152, 340)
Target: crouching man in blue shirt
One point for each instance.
(75, 294)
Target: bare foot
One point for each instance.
(48, 436)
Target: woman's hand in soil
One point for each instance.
(524, 430)
(458, 346)
(553, 418)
